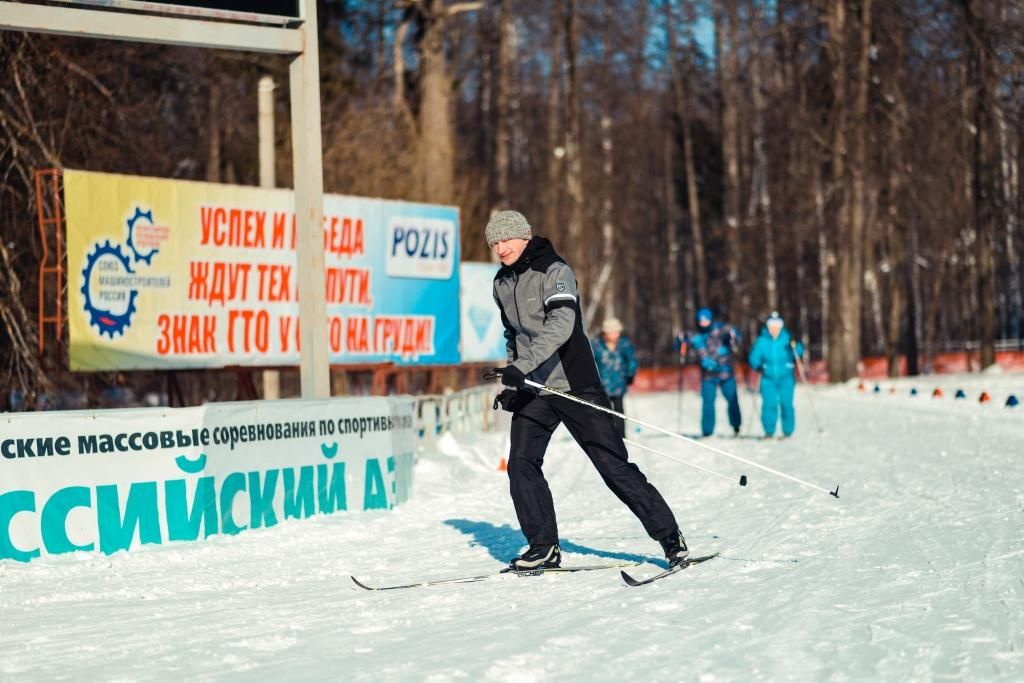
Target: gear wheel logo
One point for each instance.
(109, 301)
(140, 214)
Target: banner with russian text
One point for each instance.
(113, 480)
(181, 274)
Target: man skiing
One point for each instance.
(616, 363)
(535, 290)
(774, 355)
(714, 344)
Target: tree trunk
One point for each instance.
(916, 304)
(1010, 186)
(398, 101)
(838, 368)
(693, 205)
(846, 332)
(875, 296)
(436, 148)
(214, 138)
(980, 70)
(503, 135)
(803, 150)
(672, 237)
(931, 315)
(680, 91)
(602, 293)
(728, 20)
(825, 263)
(899, 265)
(555, 150)
(488, 112)
(853, 278)
(761, 196)
(895, 225)
(573, 148)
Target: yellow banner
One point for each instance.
(179, 274)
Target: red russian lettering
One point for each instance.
(357, 339)
(163, 342)
(217, 285)
(274, 282)
(197, 289)
(334, 333)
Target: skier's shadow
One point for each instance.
(503, 543)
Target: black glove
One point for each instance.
(511, 376)
(629, 380)
(506, 400)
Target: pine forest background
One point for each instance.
(855, 164)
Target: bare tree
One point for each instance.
(680, 90)
(602, 294)
(983, 188)
(727, 21)
(573, 136)
(854, 163)
(760, 196)
(554, 150)
(436, 145)
(503, 138)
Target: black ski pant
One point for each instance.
(533, 421)
(620, 423)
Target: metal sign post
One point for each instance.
(299, 41)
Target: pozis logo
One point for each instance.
(421, 248)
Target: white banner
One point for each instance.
(113, 480)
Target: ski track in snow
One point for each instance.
(915, 573)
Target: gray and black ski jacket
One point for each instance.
(540, 310)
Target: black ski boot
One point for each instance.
(537, 557)
(675, 548)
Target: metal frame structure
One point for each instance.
(190, 9)
(50, 216)
(300, 42)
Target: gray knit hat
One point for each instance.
(507, 225)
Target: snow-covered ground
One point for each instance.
(915, 573)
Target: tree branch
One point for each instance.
(460, 7)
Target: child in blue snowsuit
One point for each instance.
(774, 355)
(616, 363)
(713, 343)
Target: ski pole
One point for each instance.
(743, 477)
(803, 378)
(666, 432)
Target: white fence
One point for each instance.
(457, 412)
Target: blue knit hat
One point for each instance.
(705, 313)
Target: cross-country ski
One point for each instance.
(674, 569)
(508, 571)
